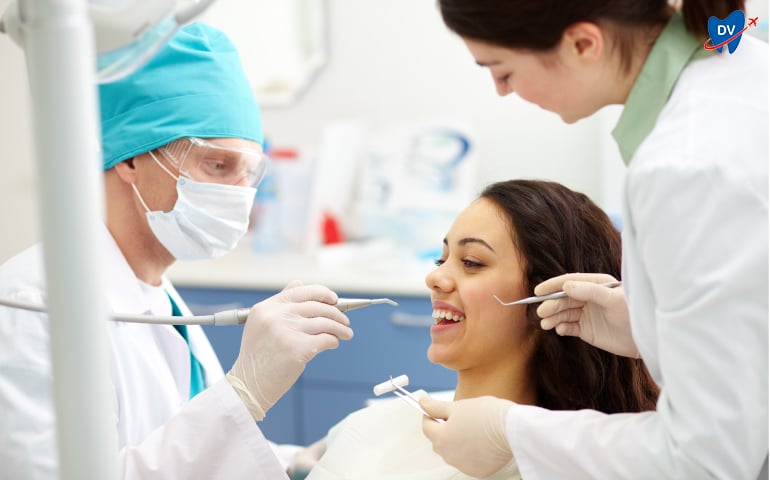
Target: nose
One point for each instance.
(503, 88)
(439, 280)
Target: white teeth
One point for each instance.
(447, 315)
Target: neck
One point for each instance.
(510, 381)
(644, 40)
(128, 225)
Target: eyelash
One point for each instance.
(466, 263)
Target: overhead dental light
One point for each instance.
(127, 32)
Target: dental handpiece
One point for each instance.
(227, 317)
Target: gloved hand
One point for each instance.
(473, 437)
(596, 314)
(281, 335)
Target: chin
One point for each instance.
(439, 356)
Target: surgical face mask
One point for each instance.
(207, 220)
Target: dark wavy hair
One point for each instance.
(539, 25)
(557, 231)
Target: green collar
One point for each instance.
(673, 50)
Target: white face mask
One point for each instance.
(207, 221)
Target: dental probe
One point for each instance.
(550, 296)
(227, 317)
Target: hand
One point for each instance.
(596, 314)
(281, 335)
(473, 437)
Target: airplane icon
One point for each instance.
(752, 22)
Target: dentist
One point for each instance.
(694, 134)
(182, 158)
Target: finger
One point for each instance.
(568, 329)
(550, 308)
(323, 325)
(315, 344)
(567, 316)
(317, 309)
(292, 284)
(305, 293)
(432, 430)
(434, 408)
(555, 284)
(590, 292)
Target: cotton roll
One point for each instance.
(390, 385)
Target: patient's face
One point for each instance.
(479, 259)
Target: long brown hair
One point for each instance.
(539, 25)
(557, 231)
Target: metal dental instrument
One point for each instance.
(227, 317)
(396, 385)
(348, 304)
(550, 296)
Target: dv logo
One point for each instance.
(727, 31)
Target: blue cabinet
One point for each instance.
(388, 341)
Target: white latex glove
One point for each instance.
(596, 314)
(473, 437)
(281, 335)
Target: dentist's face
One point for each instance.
(553, 81)
(472, 331)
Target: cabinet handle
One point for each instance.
(411, 320)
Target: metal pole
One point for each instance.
(61, 66)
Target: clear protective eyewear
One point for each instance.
(205, 161)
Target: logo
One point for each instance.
(727, 31)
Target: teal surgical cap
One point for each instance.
(194, 86)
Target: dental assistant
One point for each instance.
(694, 303)
(182, 153)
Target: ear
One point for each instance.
(126, 170)
(583, 41)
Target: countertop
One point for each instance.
(343, 268)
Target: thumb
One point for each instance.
(292, 284)
(590, 292)
(435, 408)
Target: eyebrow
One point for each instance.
(488, 64)
(465, 241)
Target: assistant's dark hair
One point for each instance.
(557, 231)
(539, 25)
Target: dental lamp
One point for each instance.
(60, 39)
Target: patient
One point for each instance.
(517, 234)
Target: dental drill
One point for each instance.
(227, 317)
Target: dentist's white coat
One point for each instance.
(695, 252)
(161, 434)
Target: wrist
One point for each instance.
(251, 403)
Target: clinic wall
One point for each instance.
(18, 198)
(389, 62)
(394, 62)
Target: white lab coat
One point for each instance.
(695, 248)
(161, 434)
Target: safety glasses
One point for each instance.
(205, 161)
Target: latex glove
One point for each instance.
(281, 335)
(473, 437)
(596, 314)
(306, 459)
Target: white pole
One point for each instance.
(60, 60)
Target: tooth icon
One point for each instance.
(727, 31)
